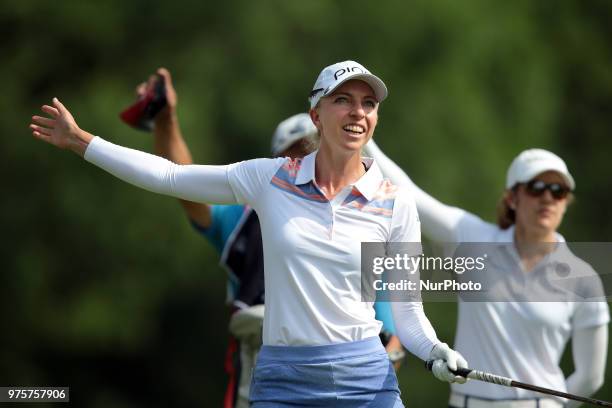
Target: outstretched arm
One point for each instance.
(153, 173)
(169, 143)
(439, 222)
(589, 349)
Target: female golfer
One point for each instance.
(520, 339)
(321, 344)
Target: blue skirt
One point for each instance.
(353, 374)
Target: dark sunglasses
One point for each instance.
(536, 188)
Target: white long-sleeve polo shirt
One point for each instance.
(312, 246)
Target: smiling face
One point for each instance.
(544, 213)
(346, 119)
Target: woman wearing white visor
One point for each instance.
(523, 340)
(321, 344)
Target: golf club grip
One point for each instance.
(464, 372)
(476, 375)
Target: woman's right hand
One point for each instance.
(60, 129)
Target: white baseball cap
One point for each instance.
(532, 162)
(334, 75)
(291, 130)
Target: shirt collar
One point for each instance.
(306, 173)
(507, 235)
(367, 185)
(506, 239)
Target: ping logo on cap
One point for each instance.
(333, 75)
(346, 70)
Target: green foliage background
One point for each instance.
(107, 289)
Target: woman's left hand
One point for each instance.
(446, 361)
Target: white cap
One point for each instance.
(532, 162)
(291, 130)
(334, 75)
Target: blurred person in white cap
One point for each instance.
(523, 340)
(320, 339)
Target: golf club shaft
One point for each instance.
(508, 382)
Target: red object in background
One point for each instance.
(141, 114)
(231, 392)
